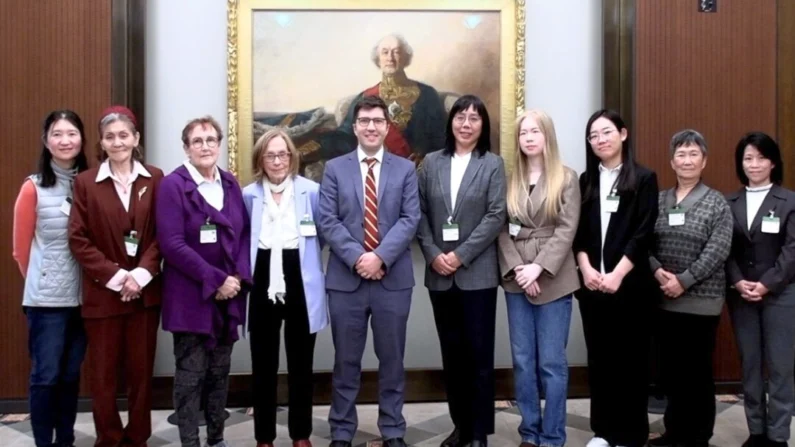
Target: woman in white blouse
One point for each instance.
(289, 284)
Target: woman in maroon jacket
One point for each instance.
(112, 237)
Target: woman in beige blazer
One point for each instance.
(539, 276)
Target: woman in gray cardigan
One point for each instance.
(692, 241)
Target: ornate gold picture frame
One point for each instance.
(301, 64)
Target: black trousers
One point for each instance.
(265, 323)
(465, 322)
(617, 331)
(686, 346)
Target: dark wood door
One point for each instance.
(56, 54)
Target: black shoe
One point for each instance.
(454, 440)
(662, 441)
(340, 444)
(394, 442)
(756, 441)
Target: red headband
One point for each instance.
(121, 110)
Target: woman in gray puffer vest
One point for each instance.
(51, 300)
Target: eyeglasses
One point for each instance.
(364, 122)
(595, 136)
(473, 119)
(282, 156)
(198, 143)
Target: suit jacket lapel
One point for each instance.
(141, 201)
(256, 212)
(301, 209)
(538, 197)
(356, 176)
(769, 204)
(444, 181)
(383, 177)
(475, 162)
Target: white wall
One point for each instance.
(186, 78)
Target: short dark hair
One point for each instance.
(45, 171)
(688, 137)
(766, 146)
(462, 104)
(370, 102)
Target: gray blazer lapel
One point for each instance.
(356, 176)
(444, 180)
(740, 210)
(475, 162)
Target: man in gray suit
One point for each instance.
(368, 214)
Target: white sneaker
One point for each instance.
(598, 442)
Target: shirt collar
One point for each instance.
(379, 156)
(105, 172)
(759, 188)
(197, 177)
(602, 168)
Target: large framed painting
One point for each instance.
(302, 64)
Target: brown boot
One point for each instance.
(302, 443)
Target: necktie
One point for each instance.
(370, 208)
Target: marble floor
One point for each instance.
(428, 424)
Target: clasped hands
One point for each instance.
(669, 283)
(229, 289)
(751, 291)
(605, 283)
(446, 264)
(527, 278)
(369, 266)
(130, 289)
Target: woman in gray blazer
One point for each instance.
(761, 270)
(539, 275)
(462, 200)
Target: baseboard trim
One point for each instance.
(422, 385)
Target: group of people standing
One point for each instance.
(90, 242)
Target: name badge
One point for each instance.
(131, 244)
(208, 234)
(66, 206)
(676, 217)
(514, 227)
(450, 231)
(307, 227)
(771, 224)
(611, 204)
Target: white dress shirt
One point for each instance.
(458, 165)
(287, 222)
(379, 157)
(124, 191)
(607, 181)
(753, 201)
(213, 192)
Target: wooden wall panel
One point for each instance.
(712, 72)
(55, 55)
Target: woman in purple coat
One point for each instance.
(204, 235)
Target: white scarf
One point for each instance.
(277, 287)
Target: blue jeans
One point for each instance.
(539, 334)
(57, 345)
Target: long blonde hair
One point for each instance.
(554, 174)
